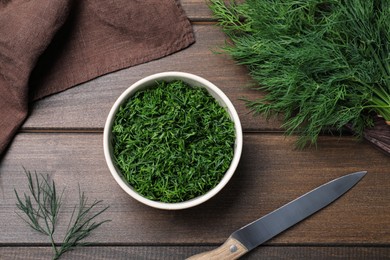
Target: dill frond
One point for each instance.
(41, 210)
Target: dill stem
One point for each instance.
(53, 245)
(379, 61)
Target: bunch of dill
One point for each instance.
(321, 63)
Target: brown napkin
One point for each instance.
(47, 46)
(379, 135)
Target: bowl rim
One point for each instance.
(174, 75)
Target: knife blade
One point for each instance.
(259, 231)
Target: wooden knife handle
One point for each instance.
(231, 249)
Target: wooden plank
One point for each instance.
(270, 174)
(87, 105)
(197, 10)
(181, 252)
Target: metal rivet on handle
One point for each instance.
(233, 248)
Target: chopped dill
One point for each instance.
(172, 142)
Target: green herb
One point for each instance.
(173, 142)
(42, 208)
(322, 64)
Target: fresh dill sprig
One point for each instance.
(41, 209)
(172, 142)
(322, 64)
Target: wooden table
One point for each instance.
(63, 138)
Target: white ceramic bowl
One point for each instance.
(192, 80)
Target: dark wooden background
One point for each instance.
(63, 138)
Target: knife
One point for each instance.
(259, 231)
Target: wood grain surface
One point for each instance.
(181, 252)
(269, 175)
(63, 138)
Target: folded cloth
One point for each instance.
(379, 135)
(47, 46)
